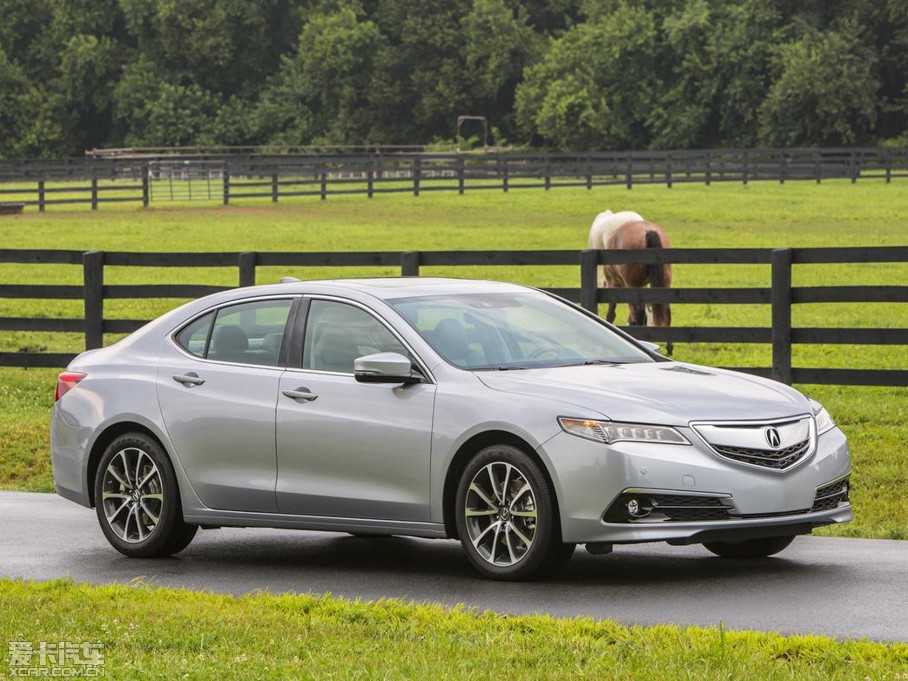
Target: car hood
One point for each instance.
(671, 393)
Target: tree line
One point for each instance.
(558, 74)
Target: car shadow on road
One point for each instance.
(322, 558)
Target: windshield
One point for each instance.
(482, 331)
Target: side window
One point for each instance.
(249, 333)
(194, 336)
(337, 333)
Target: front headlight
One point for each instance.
(823, 419)
(609, 432)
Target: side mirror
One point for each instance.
(653, 347)
(384, 367)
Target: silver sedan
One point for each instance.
(488, 412)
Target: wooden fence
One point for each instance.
(779, 294)
(97, 181)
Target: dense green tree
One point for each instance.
(594, 87)
(825, 92)
(718, 58)
(565, 74)
(320, 93)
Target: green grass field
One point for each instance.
(764, 214)
(163, 634)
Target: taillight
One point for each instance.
(66, 382)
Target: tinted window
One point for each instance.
(194, 336)
(249, 333)
(336, 334)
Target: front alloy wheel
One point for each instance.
(506, 518)
(500, 514)
(137, 499)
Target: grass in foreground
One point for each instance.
(163, 633)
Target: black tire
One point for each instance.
(750, 549)
(135, 481)
(531, 515)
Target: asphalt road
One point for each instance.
(848, 588)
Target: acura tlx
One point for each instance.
(487, 412)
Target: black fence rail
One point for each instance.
(779, 294)
(231, 178)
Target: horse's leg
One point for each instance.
(663, 317)
(610, 282)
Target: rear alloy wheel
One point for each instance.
(750, 548)
(137, 500)
(506, 516)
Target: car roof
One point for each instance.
(386, 288)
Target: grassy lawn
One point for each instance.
(869, 213)
(163, 634)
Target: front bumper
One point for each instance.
(589, 477)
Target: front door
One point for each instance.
(344, 448)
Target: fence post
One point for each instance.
(323, 181)
(93, 295)
(94, 192)
(548, 174)
(460, 174)
(855, 170)
(629, 174)
(888, 166)
(274, 188)
(409, 264)
(41, 195)
(146, 194)
(589, 173)
(506, 176)
(668, 171)
(226, 186)
(589, 280)
(709, 169)
(746, 165)
(370, 178)
(781, 168)
(781, 315)
(247, 262)
(816, 166)
(417, 169)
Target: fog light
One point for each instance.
(636, 509)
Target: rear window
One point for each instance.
(247, 333)
(194, 336)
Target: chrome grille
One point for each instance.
(831, 495)
(779, 459)
(774, 445)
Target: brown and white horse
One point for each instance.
(640, 234)
(605, 224)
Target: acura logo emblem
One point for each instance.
(773, 438)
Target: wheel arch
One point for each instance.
(470, 448)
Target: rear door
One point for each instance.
(217, 388)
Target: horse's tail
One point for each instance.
(656, 271)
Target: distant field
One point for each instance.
(836, 213)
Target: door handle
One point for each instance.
(301, 394)
(189, 380)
